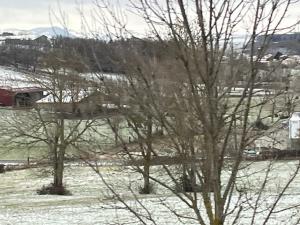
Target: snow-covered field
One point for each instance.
(92, 203)
(12, 78)
(34, 33)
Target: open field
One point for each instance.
(92, 203)
(20, 148)
(104, 136)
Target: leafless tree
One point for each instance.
(57, 124)
(201, 89)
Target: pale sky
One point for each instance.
(27, 14)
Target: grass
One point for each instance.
(51, 189)
(106, 137)
(92, 203)
(16, 153)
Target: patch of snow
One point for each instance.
(39, 31)
(92, 203)
(15, 79)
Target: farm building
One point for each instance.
(20, 97)
(81, 104)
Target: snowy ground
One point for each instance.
(10, 77)
(92, 203)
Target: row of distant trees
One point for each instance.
(96, 55)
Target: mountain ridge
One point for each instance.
(40, 31)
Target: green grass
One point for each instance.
(102, 136)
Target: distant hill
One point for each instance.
(53, 31)
(284, 43)
(282, 37)
(39, 31)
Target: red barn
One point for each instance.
(20, 97)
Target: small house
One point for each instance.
(20, 97)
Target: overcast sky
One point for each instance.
(27, 14)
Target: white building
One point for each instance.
(294, 126)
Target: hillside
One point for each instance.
(37, 32)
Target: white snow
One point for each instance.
(92, 203)
(39, 31)
(15, 79)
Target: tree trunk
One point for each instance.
(147, 158)
(60, 156)
(59, 168)
(185, 180)
(146, 174)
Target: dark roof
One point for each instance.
(22, 90)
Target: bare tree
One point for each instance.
(59, 122)
(202, 92)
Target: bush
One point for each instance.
(185, 185)
(260, 125)
(2, 168)
(53, 190)
(144, 191)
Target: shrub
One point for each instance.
(143, 190)
(2, 168)
(185, 185)
(53, 190)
